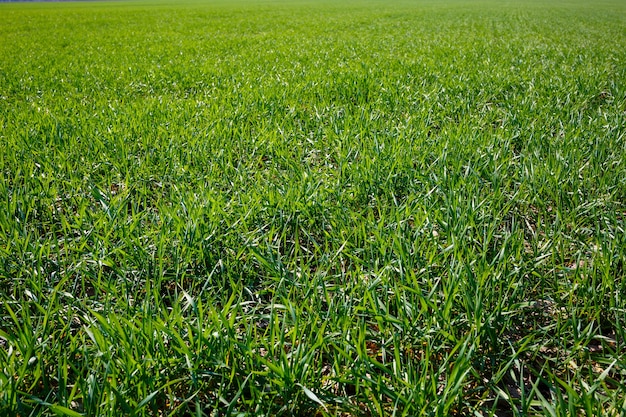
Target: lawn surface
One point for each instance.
(313, 208)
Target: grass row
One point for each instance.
(304, 208)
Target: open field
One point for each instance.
(313, 208)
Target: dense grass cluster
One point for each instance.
(304, 208)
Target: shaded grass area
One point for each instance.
(312, 209)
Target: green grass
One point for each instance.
(303, 208)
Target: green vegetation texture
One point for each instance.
(305, 208)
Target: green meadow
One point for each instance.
(313, 208)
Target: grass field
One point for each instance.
(313, 208)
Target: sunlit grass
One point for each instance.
(301, 208)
